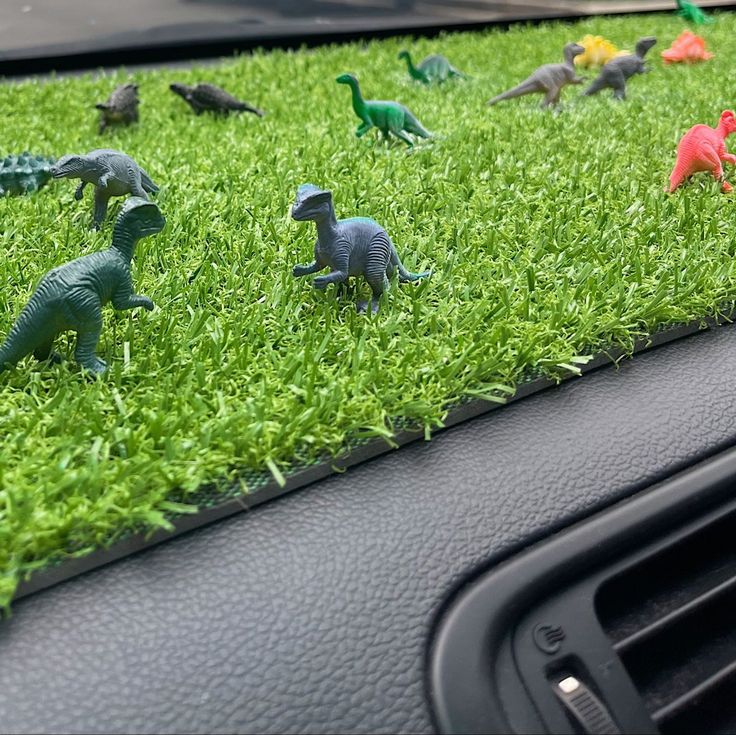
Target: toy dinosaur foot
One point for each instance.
(95, 366)
(726, 187)
(362, 306)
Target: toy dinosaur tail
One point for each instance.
(102, 106)
(245, 107)
(526, 87)
(24, 337)
(412, 125)
(597, 85)
(406, 276)
(148, 184)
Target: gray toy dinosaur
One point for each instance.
(112, 173)
(349, 247)
(71, 297)
(202, 97)
(615, 73)
(548, 79)
(121, 107)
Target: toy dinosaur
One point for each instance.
(548, 79)
(692, 13)
(349, 247)
(686, 48)
(24, 174)
(434, 68)
(121, 107)
(598, 51)
(703, 148)
(71, 297)
(615, 73)
(112, 173)
(388, 117)
(208, 97)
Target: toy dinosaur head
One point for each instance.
(347, 79)
(138, 218)
(728, 122)
(181, 89)
(644, 44)
(572, 50)
(311, 203)
(404, 54)
(70, 166)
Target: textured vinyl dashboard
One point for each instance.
(312, 613)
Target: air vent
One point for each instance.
(625, 623)
(672, 620)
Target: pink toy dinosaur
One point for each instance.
(703, 148)
(686, 48)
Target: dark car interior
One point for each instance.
(563, 564)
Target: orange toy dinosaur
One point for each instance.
(687, 48)
(703, 148)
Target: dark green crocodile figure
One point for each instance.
(435, 68)
(24, 174)
(121, 107)
(112, 173)
(71, 297)
(388, 117)
(349, 247)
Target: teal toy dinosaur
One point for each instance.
(434, 68)
(388, 117)
(71, 297)
(692, 13)
(24, 174)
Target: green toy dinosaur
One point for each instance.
(692, 13)
(388, 117)
(71, 297)
(434, 68)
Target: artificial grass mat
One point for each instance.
(549, 235)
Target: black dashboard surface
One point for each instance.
(313, 613)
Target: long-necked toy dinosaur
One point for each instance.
(548, 80)
(71, 297)
(435, 68)
(388, 117)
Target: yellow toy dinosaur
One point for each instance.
(598, 51)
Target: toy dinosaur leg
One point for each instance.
(87, 338)
(79, 191)
(399, 133)
(710, 154)
(378, 286)
(136, 186)
(552, 98)
(363, 128)
(678, 175)
(100, 209)
(45, 352)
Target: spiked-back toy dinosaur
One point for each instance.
(112, 173)
(204, 97)
(703, 148)
(24, 174)
(388, 117)
(71, 297)
(548, 79)
(434, 68)
(615, 73)
(121, 107)
(348, 247)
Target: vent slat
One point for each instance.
(709, 597)
(677, 706)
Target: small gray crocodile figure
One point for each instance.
(548, 79)
(71, 297)
(435, 68)
(203, 97)
(387, 116)
(349, 247)
(615, 73)
(112, 173)
(24, 174)
(121, 107)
